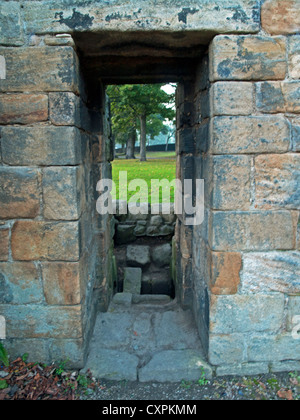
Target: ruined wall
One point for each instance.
(240, 269)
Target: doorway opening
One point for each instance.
(143, 120)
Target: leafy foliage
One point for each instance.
(137, 106)
(3, 355)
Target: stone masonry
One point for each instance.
(237, 65)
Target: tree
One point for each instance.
(140, 107)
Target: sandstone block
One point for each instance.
(132, 280)
(161, 255)
(61, 283)
(236, 135)
(11, 25)
(41, 145)
(46, 69)
(247, 58)
(246, 313)
(19, 193)
(32, 240)
(40, 321)
(252, 231)
(274, 97)
(62, 193)
(294, 57)
(225, 272)
(4, 244)
(20, 283)
(281, 17)
(271, 272)
(138, 255)
(23, 108)
(230, 188)
(296, 136)
(277, 179)
(64, 108)
(231, 98)
(226, 349)
(273, 348)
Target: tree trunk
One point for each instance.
(131, 144)
(143, 138)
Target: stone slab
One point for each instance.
(138, 255)
(112, 365)
(175, 366)
(132, 280)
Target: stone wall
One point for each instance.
(238, 64)
(130, 226)
(54, 245)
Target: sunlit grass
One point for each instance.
(163, 168)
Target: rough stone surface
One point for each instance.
(175, 366)
(20, 283)
(231, 314)
(4, 243)
(61, 283)
(275, 97)
(253, 231)
(281, 17)
(161, 255)
(54, 241)
(248, 58)
(11, 27)
(238, 135)
(62, 193)
(225, 272)
(138, 255)
(113, 365)
(231, 98)
(40, 69)
(39, 145)
(277, 179)
(132, 280)
(19, 193)
(20, 108)
(294, 57)
(271, 272)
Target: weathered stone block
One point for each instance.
(63, 193)
(225, 272)
(244, 369)
(23, 108)
(46, 69)
(39, 321)
(4, 243)
(20, 283)
(294, 57)
(246, 313)
(132, 280)
(11, 25)
(161, 255)
(32, 240)
(277, 97)
(64, 108)
(61, 283)
(277, 179)
(138, 255)
(19, 193)
(236, 135)
(226, 349)
(248, 58)
(211, 17)
(296, 136)
(281, 17)
(271, 272)
(230, 188)
(231, 98)
(252, 231)
(273, 348)
(41, 145)
(293, 314)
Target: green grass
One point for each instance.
(161, 167)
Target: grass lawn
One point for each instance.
(160, 165)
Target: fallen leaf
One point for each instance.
(285, 394)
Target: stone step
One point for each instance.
(132, 280)
(175, 366)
